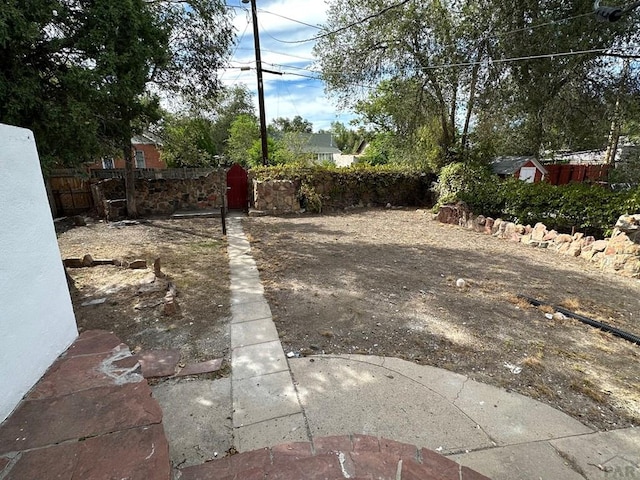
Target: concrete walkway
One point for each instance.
(266, 408)
(499, 434)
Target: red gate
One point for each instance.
(237, 188)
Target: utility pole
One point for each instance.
(263, 118)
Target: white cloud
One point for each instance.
(287, 95)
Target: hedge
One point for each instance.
(589, 208)
(329, 187)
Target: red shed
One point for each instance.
(527, 169)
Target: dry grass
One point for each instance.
(571, 303)
(586, 387)
(518, 302)
(326, 333)
(547, 309)
(534, 363)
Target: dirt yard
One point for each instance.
(383, 282)
(193, 257)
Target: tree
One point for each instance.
(85, 68)
(189, 142)
(298, 124)
(458, 63)
(347, 140)
(244, 132)
(233, 102)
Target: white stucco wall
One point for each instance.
(36, 317)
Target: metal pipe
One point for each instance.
(594, 323)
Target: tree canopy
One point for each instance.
(529, 76)
(85, 74)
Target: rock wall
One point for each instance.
(620, 253)
(161, 196)
(276, 196)
(328, 190)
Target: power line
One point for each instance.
(552, 22)
(515, 59)
(283, 54)
(346, 27)
(291, 19)
(237, 46)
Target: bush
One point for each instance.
(471, 183)
(591, 209)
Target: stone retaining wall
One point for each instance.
(276, 196)
(161, 196)
(333, 190)
(620, 253)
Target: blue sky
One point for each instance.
(287, 95)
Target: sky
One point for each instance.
(290, 94)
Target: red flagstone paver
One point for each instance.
(287, 451)
(401, 450)
(135, 454)
(37, 423)
(376, 464)
(87, 418)
(4, 461)
(355, 457)
(68, 375)
(92, 342)
(332, 444)
(365, 443)
(249, 460)
(199, 368)
(321, 466)
(159, 363)
(58, 462)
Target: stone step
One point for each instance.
(338, 457)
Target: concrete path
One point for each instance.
(502, 435)
(266, 409)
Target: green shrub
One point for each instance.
(591, 209)
(471, 183)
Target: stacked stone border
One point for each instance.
(619, 253)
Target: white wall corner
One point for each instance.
(37, 322)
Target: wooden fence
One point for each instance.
(70, 191)
(153, 174)
(563, 174)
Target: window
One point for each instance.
(107, 163)
(140, 159)
(528, 174)
(325, 157)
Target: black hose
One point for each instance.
(602, 326)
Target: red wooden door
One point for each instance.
(237, 188)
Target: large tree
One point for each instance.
(437, 69)
(95, 68)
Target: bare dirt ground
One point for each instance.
(384, 283)
(193, 257)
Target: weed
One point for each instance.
(571, 303)
(518, 302)
(326, 333)
(547, 309)
(586, 387)
(534, 362)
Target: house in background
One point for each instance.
(146, 152)
(525, 168)
(321, 146)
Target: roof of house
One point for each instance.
(146, 138)
(510, 165)
(320, 143)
